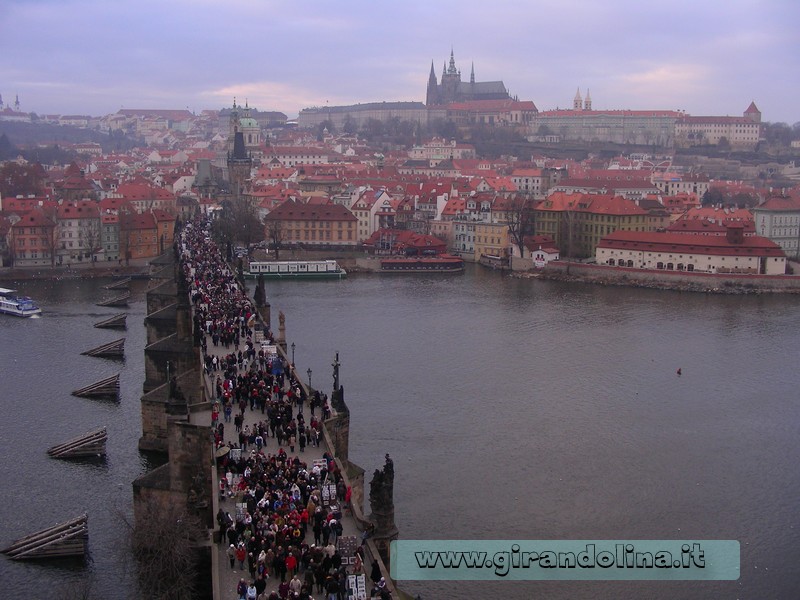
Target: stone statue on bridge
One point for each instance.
(381, 489)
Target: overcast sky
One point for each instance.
(707, 57)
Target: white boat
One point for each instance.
(301, 269)
(20, 306)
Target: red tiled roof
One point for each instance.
(718, 214)
(780, 203)
(78, 210)
(614, 113)
(689, 120)
(591, 203)
(492, 105)
(34, 218)
(292, 210)
(143, 191)
(687, 243)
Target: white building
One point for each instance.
(779, 220)
(733, 253)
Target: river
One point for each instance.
(512, 408)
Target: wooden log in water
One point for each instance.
(115, 349)
(88, 444)
(60, 541)
(115, 322)
(121, 300)
(105, 388)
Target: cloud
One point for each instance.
(92, 56)
(269, 95)
(677, 78)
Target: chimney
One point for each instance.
(735, 233)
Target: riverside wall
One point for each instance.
(720, 283)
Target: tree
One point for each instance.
(520, 221)
(7, 149)
(568, 225)
(444, 128)
(11, 246)
(164, 540)
(350, 126)
(21, 180)
(713, 197)
(90, 237)
(744, 200)
(275, 235)
(372, 129)
(51, 242)
(239, 222)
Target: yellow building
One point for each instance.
(577, 222)
(322, 225)
(492, 240)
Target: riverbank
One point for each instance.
(89, 271)
(707, 283)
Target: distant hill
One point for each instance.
(25, 134)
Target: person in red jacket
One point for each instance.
(291, 564)
(241, 554)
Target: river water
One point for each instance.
(41, 365)
(513, 409)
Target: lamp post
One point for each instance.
(292, 353)
(309, 377)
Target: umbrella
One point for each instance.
(222, 451)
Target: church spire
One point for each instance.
(472, 73)
(587, 102)
(452, 68)
(16, 103)
(432, 94)
(577, 103)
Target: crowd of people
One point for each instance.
(282, 514)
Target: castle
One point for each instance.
(452, 89)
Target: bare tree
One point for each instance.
(164, 541)
(11, 246)
(275, 236)
(239, 222)
(521, 221)
(51, 242)
(90, 237)
(568, 229)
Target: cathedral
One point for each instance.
(452, 89)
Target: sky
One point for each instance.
(93, 57)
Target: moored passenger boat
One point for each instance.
(20, 306)
(300, 269)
